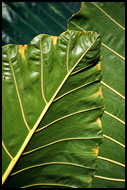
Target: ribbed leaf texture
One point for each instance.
(52, 104)
(23, 20)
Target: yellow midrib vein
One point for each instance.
(30, 134)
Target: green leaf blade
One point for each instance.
(102, 17)
(71, 128)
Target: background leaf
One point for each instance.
(108, 18)
(22, 21)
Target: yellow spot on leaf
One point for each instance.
(99, 92)
(101, 58)
(96, 150)
(22, 50)
(99, 66)
(99, 122)
(54, 38)
(90, 180)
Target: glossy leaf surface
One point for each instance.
(108, 18)
(52, 104)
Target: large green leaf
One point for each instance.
(108, 18)
(22, 21)
(52, 103)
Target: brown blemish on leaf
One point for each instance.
(22, 50)
(54, 38)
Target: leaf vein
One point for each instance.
(108, 15)
(50, 163)
(47, 184)
(42, 85)
(111, 115)
(8, 153)
(66, 116)
(112, 161)
(102, 43)
(58, 141)
(16, 86)
(110, 179)
(114, 140)
(31, 132)
(74, 90)
(112, 89)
